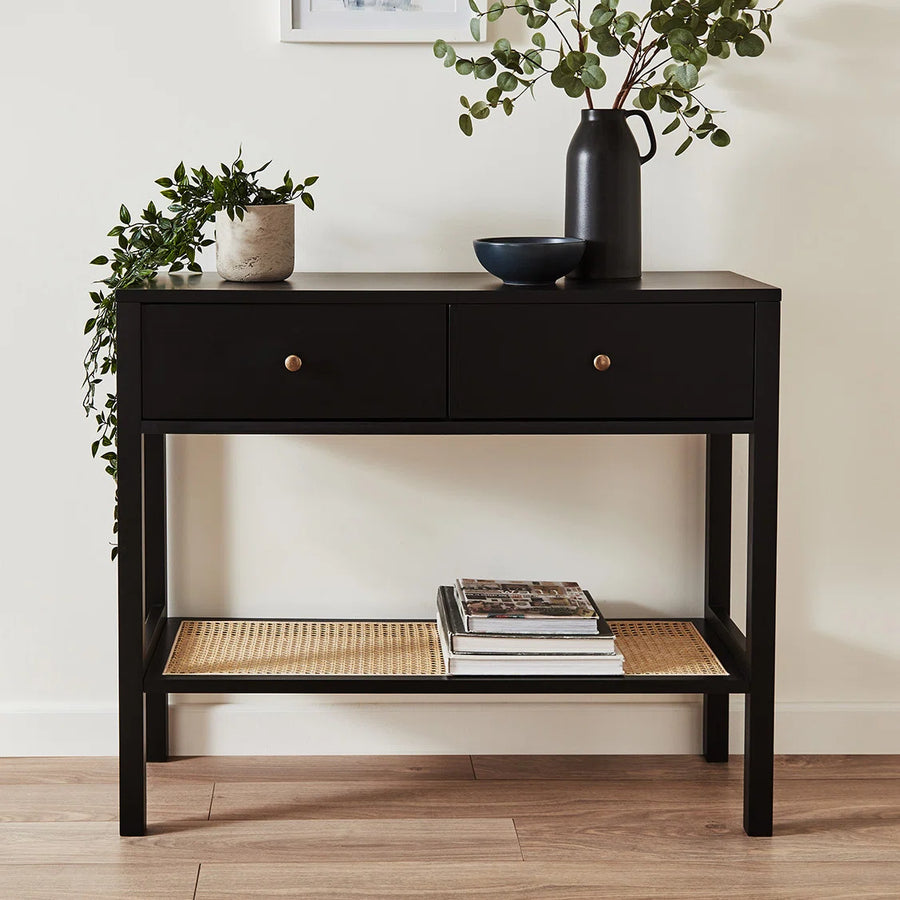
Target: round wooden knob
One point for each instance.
(293, 363)
(602, 362)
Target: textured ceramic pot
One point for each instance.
(258, 248)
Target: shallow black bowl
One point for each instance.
(529, 260)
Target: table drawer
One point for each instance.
(667, 361)
(358, 361)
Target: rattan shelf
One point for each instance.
(661, 655)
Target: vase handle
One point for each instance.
(652, 152)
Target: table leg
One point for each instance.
(759, 733)
(717, 579)
(156, 579)
(129, 495)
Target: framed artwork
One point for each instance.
(389, 21)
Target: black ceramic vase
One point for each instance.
(603, 194)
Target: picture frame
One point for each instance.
(376, 21)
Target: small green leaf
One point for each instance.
(450, 58)
(464, 101)
(574, 88)
(311, 180)
(475, 29)
(480, 110)
(575, 60)
(99, 261)
(668, 104)
(493, 94)
(506, 81)
(308, 200)
(465, 66)
(439, 48)
(494, 12)
(124, 215)
(672, 126)
(720, 138)
(647, 98)
(485, 67)
(686, 76)
(538, 40)
(684, 146)
(465, 125)
(752, 45)
(164, 182)
(594, 77)
(507, 106)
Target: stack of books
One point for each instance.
(524, 628)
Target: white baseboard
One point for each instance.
(345, 725)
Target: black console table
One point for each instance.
(681, 352)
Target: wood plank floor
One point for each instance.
(490, 828)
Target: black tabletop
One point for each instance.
(465, 287)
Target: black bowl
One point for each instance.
(529, 260)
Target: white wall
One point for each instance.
(99, 99)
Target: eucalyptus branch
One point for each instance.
(675, 36)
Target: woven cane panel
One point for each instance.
(653, 647)
(210, 647)
(249, 647)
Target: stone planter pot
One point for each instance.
(259, 248)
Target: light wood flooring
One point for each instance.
(423, 828)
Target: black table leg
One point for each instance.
(759, 736)
(155, 580)
(717, 580)
(132, 761)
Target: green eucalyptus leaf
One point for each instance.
(594, 77)
(465, 124)
(538, 40)
(450, 58)
(647, 98)
(485, 67)
(668, 104)
(493, 95)
(672, 125)
(720, 138)
(607, 45)
(575, 60)
(684, 146)
(686, 76)
(506, 81)
(494, 12)
(574, 87)
(752, 45)
(440, 51)
(507, 106)
(465, 66)
(475, 28)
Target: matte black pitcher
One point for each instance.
(603, 194)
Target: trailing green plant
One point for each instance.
(157, 240)
(668, 46)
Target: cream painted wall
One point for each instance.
(101, 98)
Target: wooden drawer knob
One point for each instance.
(602, 362)
(292, 363)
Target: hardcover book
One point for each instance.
(532, 607)
(462, 641)
(526, 663)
